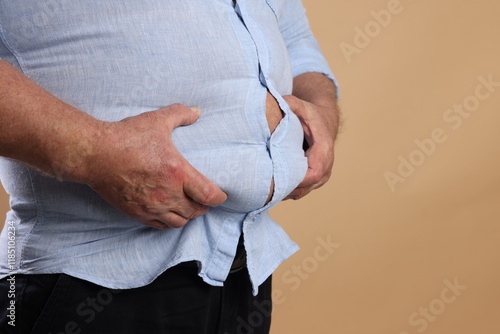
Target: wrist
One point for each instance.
(75, 161)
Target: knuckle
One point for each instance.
(301, 193)
(175, 169)
(326, 176)
(176, 106)
(209, 195)
(316, 176)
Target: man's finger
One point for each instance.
(309, 180)
(298, 193)
(293, 102)
(202, 190)
(315, 168)
(190, 209)
(157, 224)
(179, 115)
(172, 219)
(297, 106)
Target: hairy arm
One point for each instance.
(314, 102)
(41, 130)
(132, 164)
(313, 97)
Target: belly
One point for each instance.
(243, 161)
(273, 117)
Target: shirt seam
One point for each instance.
(38, 218)
(7, 45)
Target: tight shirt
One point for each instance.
(116, 59)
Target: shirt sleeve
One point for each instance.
(303, 48)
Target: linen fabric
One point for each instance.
(120, 58)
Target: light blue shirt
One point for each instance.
(115, 59)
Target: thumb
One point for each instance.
(297, 106)
(292, 102)
(180, 115)
(199, 188)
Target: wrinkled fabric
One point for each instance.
(116, 59)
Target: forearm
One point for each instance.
(315, 104)
(319, 90)
(42, 131)
(133, 164)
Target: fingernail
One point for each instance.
(196, 109)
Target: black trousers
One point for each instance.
(177, 302)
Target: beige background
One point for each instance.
(396, 248)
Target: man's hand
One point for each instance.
(132, 164)
(138, 170)
(313, 101)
